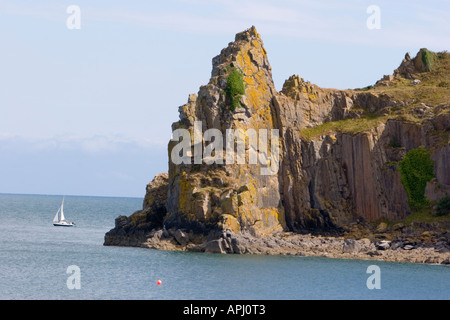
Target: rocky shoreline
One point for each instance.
(428, 247)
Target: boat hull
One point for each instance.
(63, 224)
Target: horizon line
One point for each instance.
(65, 195)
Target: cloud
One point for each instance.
(93, 145)
(330, 21)
(101, 144)
(97, 165)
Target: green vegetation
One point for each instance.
(416, 169)
(235, 88)
(428, 59)
(426, 214)
(345, 126)
(443, 206)
(367, 88)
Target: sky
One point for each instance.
(88, 111)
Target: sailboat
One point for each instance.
(59, 220)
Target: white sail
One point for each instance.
(61, 220)
(62, 211)
(56, 218)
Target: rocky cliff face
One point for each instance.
(227, 196)
(338, 155)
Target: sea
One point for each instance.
(41, 262)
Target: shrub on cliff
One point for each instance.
(416, 169)
(235, 88)
(443, 206)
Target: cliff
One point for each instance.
(323, 161)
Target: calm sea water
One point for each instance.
(34, 257)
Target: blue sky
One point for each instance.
(89, 111)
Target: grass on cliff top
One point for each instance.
(425, 214)
(351, 126)
(434, 88)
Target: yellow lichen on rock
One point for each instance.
(185, 190)
(230, 223)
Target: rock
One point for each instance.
(226, 245)
(411, 66)
(442, 249)
(181, 237)
(396, 244)
(156, 192)
(434, 191)
(214, 246)
(398, 226)
(373, 253)
(408, 247)
(207, 195)
(382, 227)
(165, 233)
(426, 236)
(349, 246)
(157, 234)
(365, 242)
(322, 180)
(271, 243)
(134, 230)
(121, 221)
(235, 246)
(414, 82)
(383, 245)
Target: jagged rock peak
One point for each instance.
(248, 34)
(411, 66)
(212, 104)
(247, 54)
(295, 86)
